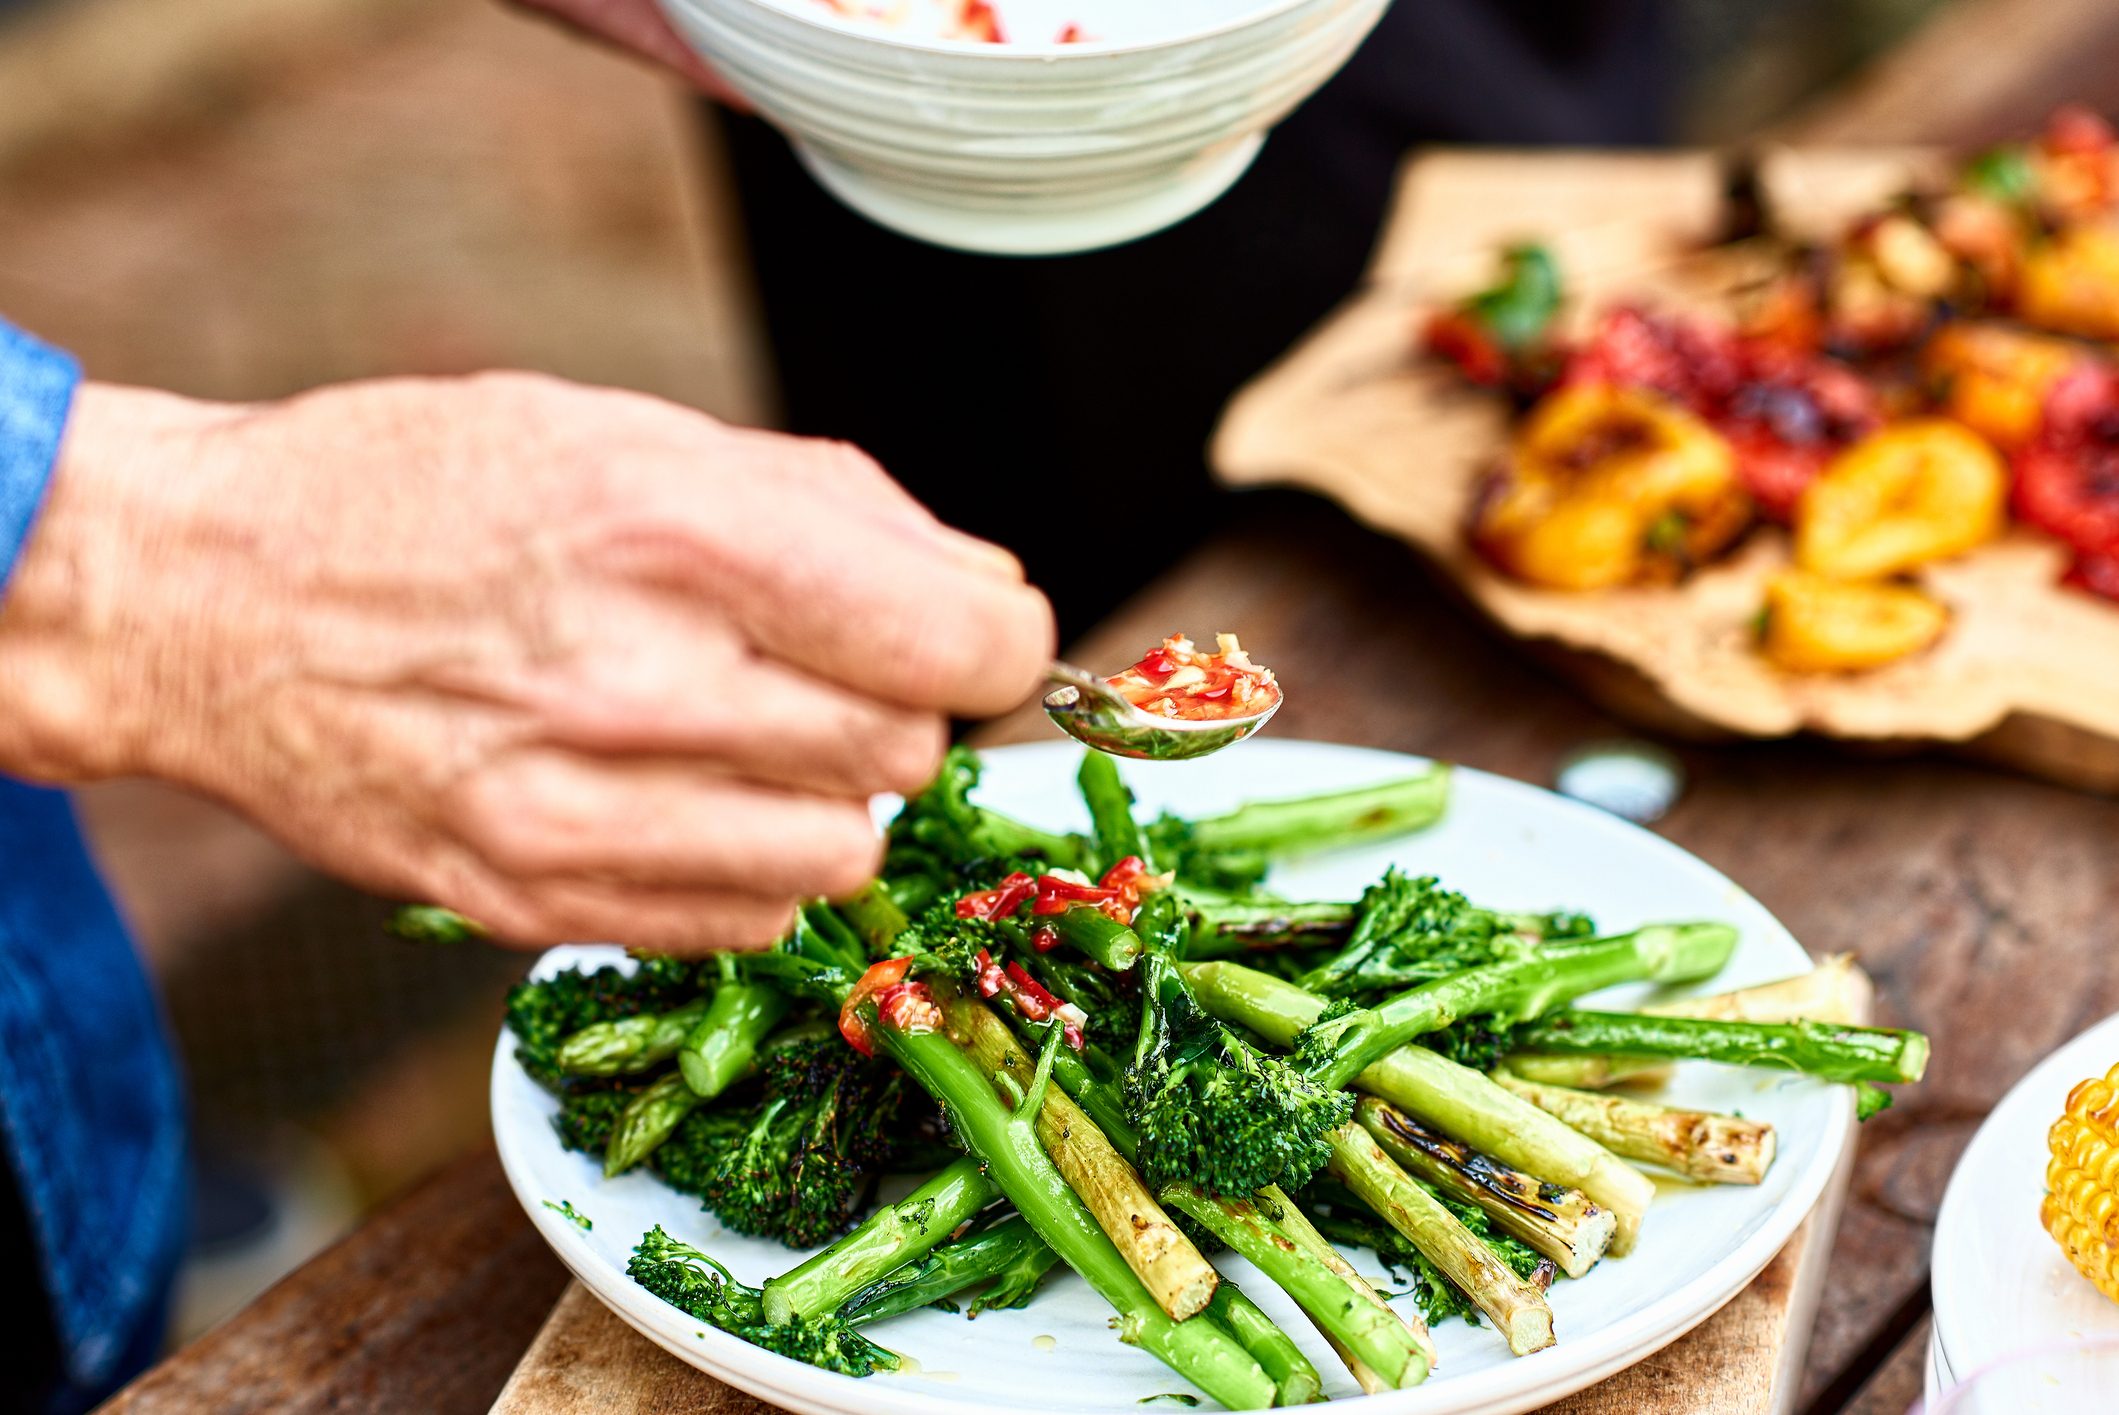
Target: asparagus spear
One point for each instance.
(629, 1044)
(1452, 1098)
(1557, 1221)
(647, 1121)
(1336, 1049)
(1009, 1255)
(1006, 1140)
(1836, 990)
(1222, 927)
(887, 1240)
(1823, 1049)
(1723, 1149)
(1516, 1308)
(1328, 821)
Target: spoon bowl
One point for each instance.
(1094, 713)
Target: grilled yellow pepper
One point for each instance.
(2081, 1208)
(1610, 486)
(2070, 283)
(1906, 494)
(1994, 379)
(1815, 624)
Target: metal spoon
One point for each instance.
(1093, 713)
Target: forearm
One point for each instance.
(71, 647)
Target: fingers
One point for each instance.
(841, 472)
(760, 721)
(865, 603)
(546, 816)
(539, 914)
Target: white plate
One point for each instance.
(2001, 1284)
(1503, 843)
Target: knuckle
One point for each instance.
(509, 819)
(903, 757)
(849, 862)
(939, 651)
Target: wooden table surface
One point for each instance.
(1980, 902)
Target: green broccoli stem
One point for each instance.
(1202, 1352)
(878, 915)
(1516, 1308)
(724, 1042)
(1454, 1099)
(1009, 1255)
(1337, 1049)
(1112, 825)
(1827, 1050)
(888, 1239)
(1300, 1231)
(1099, 936)
(647, 1121)
(1328, 821)
(1004, 837)
(1375, 1337)
(629, 1044)
(1295, 1379)
(1222, 927)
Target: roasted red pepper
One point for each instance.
(889, 973)
(1456, 336)
(2067, 478)
(2095, 571)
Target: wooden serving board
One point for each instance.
(1747, 1359)
(2029, 672)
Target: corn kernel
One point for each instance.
(2081, 1207)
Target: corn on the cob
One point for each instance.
(2081, 1208)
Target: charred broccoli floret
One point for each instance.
(804, 1163)
(694, 1283)
(941, 834)
(1411, 930)
(1208, 1106)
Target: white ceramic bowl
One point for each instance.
(1029, 147)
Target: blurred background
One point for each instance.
(241, 198)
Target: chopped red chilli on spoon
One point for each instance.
(1177, 680)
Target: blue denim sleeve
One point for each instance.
(91, 1110)
(36, 388)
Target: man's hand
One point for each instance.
(639, 27)
(579, 663)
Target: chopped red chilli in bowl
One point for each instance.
(1177, 680)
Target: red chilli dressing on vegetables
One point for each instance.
(1177, 680)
